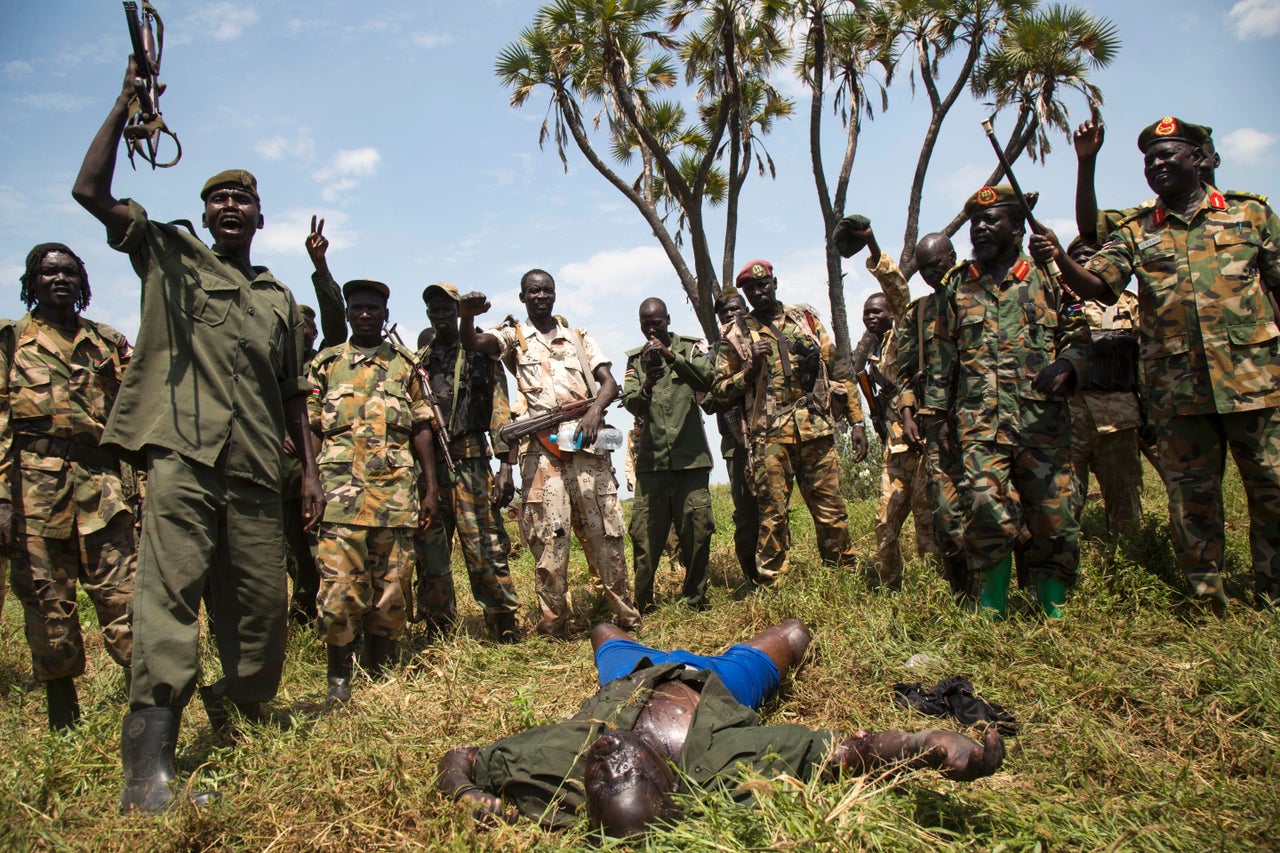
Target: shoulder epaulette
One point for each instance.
(328, 355)
(404, 352)
(635, 351)
(185, 223)
(1242, 194)
(1136, 213)
(951, 274)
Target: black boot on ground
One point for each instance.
(339, 690)
(148, 740)
(64, 705)
(379, 652)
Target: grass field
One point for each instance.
(1145, 723)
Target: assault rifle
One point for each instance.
(441, 426)
(524, 427)
(145, 124)
(874, 409)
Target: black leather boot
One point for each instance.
(148, 740)
(506, 627)
(64, 705)
(339, 691)
(379, 652)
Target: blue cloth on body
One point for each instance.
(747, 672)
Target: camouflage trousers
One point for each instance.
(746, 517)
(1114, 459)
(815, 468)
(467, 508)
(904, 489)
(1193, 452)
(301, 543)
(365, 573)
(1020, 497)
(579, 493)
(664, 498)
(45, 574)
(945, 472)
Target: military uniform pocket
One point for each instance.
(209, 298)
(30, 391)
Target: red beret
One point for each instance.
(753, 270)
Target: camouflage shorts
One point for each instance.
(365, 574)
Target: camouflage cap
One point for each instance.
(726, 293)
(753, 270)
(307, 311)
(357, 284)
(997, 196)
(1170, 127)
(231, 178)
(846, 242)
(447, 289)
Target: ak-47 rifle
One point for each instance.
(524, 427)
(441, 429)
(145, 126)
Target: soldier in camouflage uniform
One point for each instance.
(780, 362)
(563, 488)
(368, 409)
(471, 393)
(1204, 260)
(904, 483)
(673, 462)
(302, 543)
(63, 513)
(1011, 346)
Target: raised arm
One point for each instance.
(1088, 142)
(93, 185)
(333, 319)
(471, 306)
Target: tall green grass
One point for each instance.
(1146, 723)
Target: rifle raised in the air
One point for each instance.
(145, 126)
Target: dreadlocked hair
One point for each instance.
(34, 257)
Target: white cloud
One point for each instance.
(431, 40)
(344, 170)
(1245, 146)
(217, 22)
(285, 233)
(55, 102)
(301, 146)
(1255, 19)
(16, 69)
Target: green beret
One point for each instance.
(726, 293)
(847, 243)
(231, 178)
(441, 287)
(357, 284)
(997, 196)
(307, 311)
(1174, 128)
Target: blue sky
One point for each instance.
(387, 120)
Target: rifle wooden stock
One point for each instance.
(873, 403)
(522, 428)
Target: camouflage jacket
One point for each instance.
(896, 290)
(778, 407)
(1111, 411)
(991, 342)
(1207, 330)
(44, 394)
(669, 423)
(365, 409)
(920, 390)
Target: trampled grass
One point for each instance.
(1145, 723)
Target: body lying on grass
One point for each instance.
(665, 719)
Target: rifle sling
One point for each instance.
(784, 349)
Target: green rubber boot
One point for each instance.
(993, 595)
(1052, 592)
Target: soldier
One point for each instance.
(63, 513)
(673, 462)
(569, 482)
(216, 377)
(471, 390)
(780, 362)
(1204, 260)
(305, 575)
(932, 431)
(368, 410)
(904, 483)
(736, 451)
(1011, 348)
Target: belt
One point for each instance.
(89, 455)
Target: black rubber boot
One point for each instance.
(379, 651)
(148, 740)
(506, 627)
(339, 691)
(64, 705)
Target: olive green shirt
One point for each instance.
(541, 771)
(672, 437)
(216, 357)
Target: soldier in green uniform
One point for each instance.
(64, 517)
(471, 393)
(1011, 348)
(368, 411)
(1205, 261)
(780, 362)
(616, 759)
(673, 462)
(924, 411)
(215, 379)
(305, 575)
